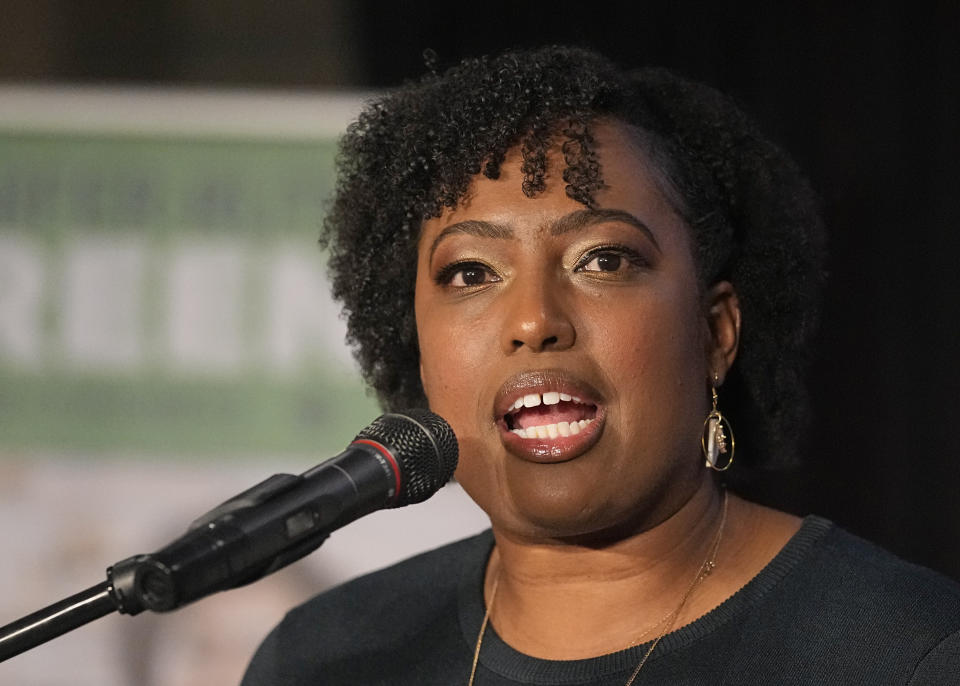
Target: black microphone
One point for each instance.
(400, 459)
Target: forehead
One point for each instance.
(631, 182)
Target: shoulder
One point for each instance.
(843, 610)
(370, 619)
(869, 576)
(406, 590)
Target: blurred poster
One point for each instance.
(167, 339)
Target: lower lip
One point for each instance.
(551, 450)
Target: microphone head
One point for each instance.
(424, 446)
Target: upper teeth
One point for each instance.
(548, 398)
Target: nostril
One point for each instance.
(544, 344)
(539, 333)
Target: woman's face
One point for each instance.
(571, 348)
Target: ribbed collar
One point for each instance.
(501, 659)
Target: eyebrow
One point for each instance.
(473, 227)
(579, 220)
(574, 221)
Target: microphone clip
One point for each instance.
(163, 581)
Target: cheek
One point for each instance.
(646, 335)
(457, 356)
(451, 367)
(451, 370)
(656, 359)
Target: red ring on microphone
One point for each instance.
(390, 458)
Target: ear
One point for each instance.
(722, 309)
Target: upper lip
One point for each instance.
(542, 381)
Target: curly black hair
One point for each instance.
(754, 218)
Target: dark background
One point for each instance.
(865, 95)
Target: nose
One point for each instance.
(536, 317)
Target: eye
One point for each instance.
(604, 262)
(610, 259)
(466, 275)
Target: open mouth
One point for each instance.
(549, 415)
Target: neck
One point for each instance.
(570, 601)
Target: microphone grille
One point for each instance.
(424, 446)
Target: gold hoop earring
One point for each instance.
(713, 439)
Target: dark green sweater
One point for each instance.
(829, 609)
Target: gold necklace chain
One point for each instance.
(706, 568)
(709, 564)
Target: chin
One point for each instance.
(575, 529)
(578, 512)
(568, 502)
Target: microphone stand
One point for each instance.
(262, 529)
(249, 536)
(56, 620)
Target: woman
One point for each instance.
(585, 272)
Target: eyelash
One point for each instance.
(446, 275)
(629, 254)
